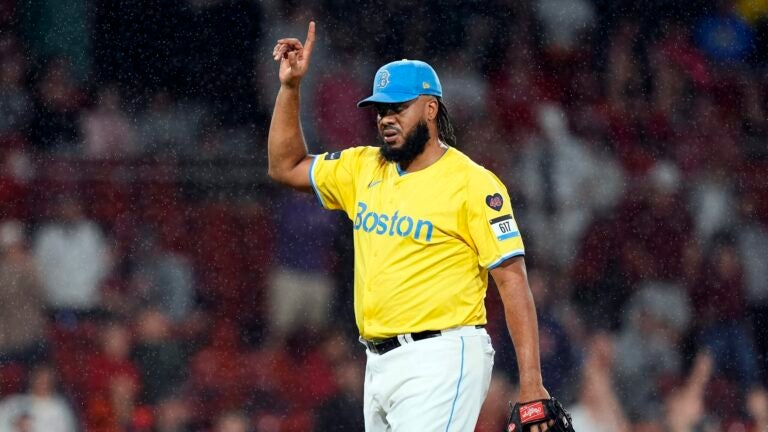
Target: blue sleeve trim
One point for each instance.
(312, 181)
(509, 235)
(505, 257)
(458, 386)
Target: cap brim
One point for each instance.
(386, 98)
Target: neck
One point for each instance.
(432, 152)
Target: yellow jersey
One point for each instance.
(424, 241)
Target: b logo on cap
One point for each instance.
(384, 78)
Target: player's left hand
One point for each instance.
(539, 416)
(533, 393)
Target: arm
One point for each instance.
(287, 152)
(520, 313)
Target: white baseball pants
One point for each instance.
(432, 385)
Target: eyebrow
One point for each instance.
(392, 106)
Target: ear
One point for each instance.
(431, 109)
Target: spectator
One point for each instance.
(74, 259)
(558, 360)
(106, 129)
(684, 408)
(168, 127)
(485, 142)
(752, 244)
(622, 80)
(217, 373)
(15, 172)
(754, 116)
(518, 89)
(22, 300)
(336, 90)
(564, 21)
(757, 408)
(112, 360)
(719, 299)
(655, 227)
(172, 415)
(301, 288)
(232, 421)
(41, 409)
(342, 412)
(116, 410)
(54, 127)
(15, 100)
(160, 358)
(646, 351)
(55, 32)
(304, 369)
(705, 143)
(565, 183)
(597, 408)
(724, 36)
(161, 278)
(466, 85)
(596, 271)
(712, 201)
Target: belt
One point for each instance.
(384, 346)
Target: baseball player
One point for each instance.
(429, 226)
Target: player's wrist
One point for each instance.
(290, 85)
(531, 391)
(531, 381)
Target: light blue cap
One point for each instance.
(403, 80)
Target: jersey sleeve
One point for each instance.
(333, 178)
(491, 221)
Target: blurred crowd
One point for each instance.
(633, 138)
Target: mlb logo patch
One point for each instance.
(333, 156)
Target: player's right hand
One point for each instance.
(294, 57)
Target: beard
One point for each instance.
(413, 145)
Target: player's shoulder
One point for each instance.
(353, 159)
(475, 174)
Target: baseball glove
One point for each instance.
(523, 415)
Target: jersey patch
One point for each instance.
(333, 156)
(504, 227)
(494, 201)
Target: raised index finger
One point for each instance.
(310, 42)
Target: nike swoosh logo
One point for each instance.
(373, 183)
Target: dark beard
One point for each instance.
(414, 145)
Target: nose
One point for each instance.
(387, 120)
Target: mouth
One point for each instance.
(390, 135)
